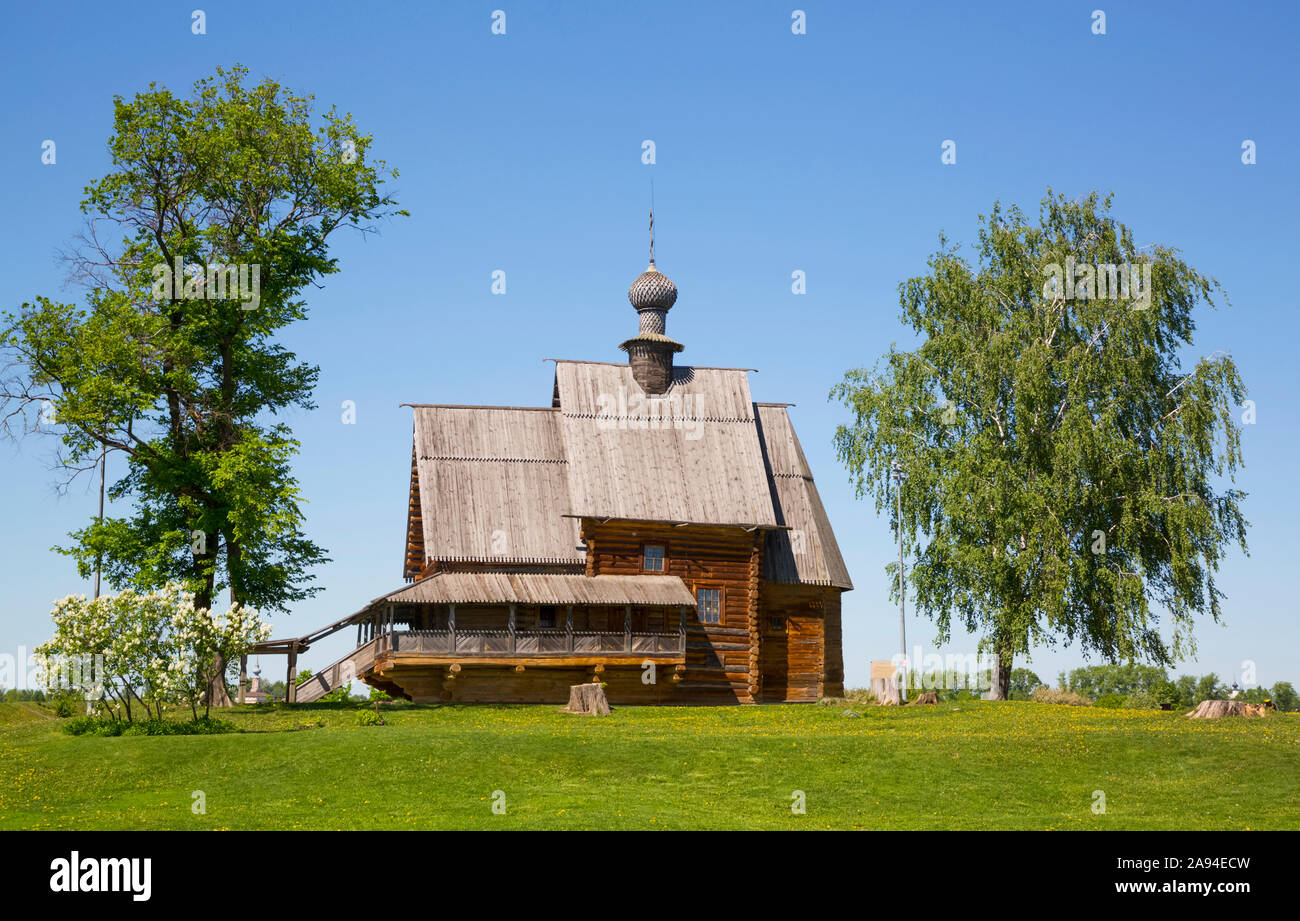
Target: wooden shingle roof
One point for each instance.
(493, 485)
(807, 551)
(509, 485)
(543, 588)
(704, 466)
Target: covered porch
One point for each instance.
(491, 615)
(504, 622)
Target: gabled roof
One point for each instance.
(493, 485)
(497, 484)
(807, 551)
(699, 462)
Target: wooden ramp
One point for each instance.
(354, 665)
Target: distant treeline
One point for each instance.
(1137, 686)
(1184, 691)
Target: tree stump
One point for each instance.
(886, 691)
(588, 699)
(1213, 709)
(929, 697)
(884, 683)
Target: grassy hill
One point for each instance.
(14, 714)
(968, 765)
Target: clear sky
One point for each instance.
(775, 152)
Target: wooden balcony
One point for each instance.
(559, 644)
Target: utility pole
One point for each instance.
(99, 557)
(899, 476)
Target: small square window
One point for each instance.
(652, 559)
(709, 605)
(776, 624)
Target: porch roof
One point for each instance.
(543, 588)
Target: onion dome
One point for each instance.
(650, 352)
(652, 290)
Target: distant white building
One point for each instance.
(255, 694)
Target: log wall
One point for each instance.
(719, 668)
(774, 642)
(535, 684)
(801, 656)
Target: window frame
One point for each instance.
(663, 570)
(722, 596)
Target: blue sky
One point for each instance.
(775, 152)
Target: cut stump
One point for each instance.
(588, 699)
(929, 697)
(1213, 709)
(884, 683)
(886, 692)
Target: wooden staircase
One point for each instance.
(354, 665)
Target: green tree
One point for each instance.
(1061, 461)
(1186, 685)
(1254, 695)
(180, 371)
(1095, 680)
(1023, 682)
(1209, 688)
(1284, 696)
(1167, 693)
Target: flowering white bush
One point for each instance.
(151, 648)
(200, 639)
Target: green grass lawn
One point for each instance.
(969, 765)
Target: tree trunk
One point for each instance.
(216, 694)
(1001, 677)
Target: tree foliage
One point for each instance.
(1095, 680)
(1022, 684)
(1063, 464)
(183, 374)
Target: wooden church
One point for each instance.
(653, 528)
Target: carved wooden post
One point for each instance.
(512, 628)
(291, 685)
(568, 624)
(243, 676)
(451, 626)
(681, 630)
(627, 628)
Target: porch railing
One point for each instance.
(475, 642)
